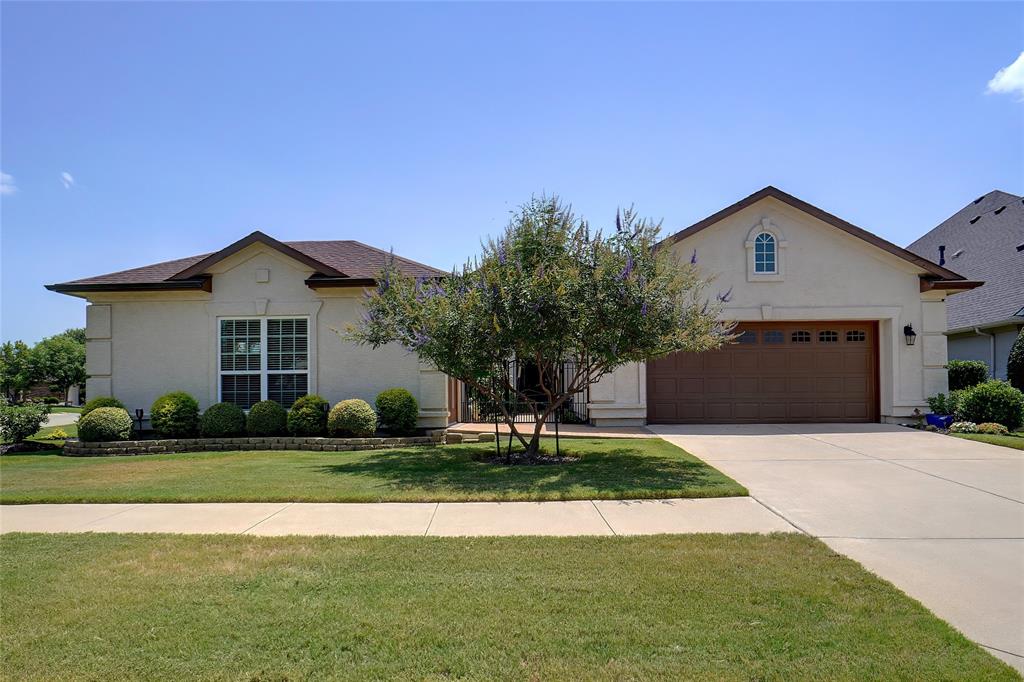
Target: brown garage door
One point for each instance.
(775, 372)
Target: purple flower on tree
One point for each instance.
(628, 270)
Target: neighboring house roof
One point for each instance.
(937, 277)
(983, 240)
(335, 263)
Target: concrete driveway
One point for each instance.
(940, 517)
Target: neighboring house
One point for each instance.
(253, 321)
(822, 306)
(983, 240)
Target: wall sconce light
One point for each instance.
(910, 334)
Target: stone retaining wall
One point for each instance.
(77, 448)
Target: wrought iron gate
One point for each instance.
(476, 407)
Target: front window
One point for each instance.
(764, 254)
(264, 359)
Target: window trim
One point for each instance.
(264, 372)
(768, 239)
(766, 227)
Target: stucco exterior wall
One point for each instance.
(824, 274)
(142, 345)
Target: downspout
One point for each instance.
(991, 351)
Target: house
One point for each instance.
(837, 325)
(983, 240)
(256, 320)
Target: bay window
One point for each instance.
(263, 359)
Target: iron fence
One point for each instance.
(476, 407)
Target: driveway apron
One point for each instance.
(940, 517)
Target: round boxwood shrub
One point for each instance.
(308, 416)
(993, 429)
(353, 418)
(103, 401)
(175, 415)
(993, 401)
(966, 373)
(266, 418)
(397, 409)
(105, 424)
(223, 420)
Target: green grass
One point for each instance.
(608, 469)
(44, 435)
(60, 409)
(1014, 440)
(722, 607)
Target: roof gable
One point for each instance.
(935, 272)
(257, 237)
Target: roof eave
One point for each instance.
(929, 284)
(204, 283)
(340, 282)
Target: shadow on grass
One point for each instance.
(612, 472)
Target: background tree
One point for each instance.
(17, 369)
(548, 291)
(60, 360)
(1015, 363)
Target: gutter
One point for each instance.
(991, 350)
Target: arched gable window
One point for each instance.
(765, 254)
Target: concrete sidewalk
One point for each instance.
(61, 418)
(600, 517)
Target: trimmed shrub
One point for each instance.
(50, 400)
(993, 429)
(175, 415)
(353, 418)
(1015, 363)
(966, 373)
(963, 427)
(223, 420)
(993, 401)
(308, 416)
(102, 401)
(105, 424)
(397, 409)
(944, 404)
(266, 418)
(18, 423)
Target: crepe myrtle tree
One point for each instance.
(549, 290)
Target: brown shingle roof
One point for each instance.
(355, 259)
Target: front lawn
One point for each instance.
(735, 607)
(46, 434)
(607, 469)
(1014, 440)
(61, 409)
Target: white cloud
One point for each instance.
(67, 180)
(1009, 80)
(7, 185)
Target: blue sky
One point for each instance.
(184, 126)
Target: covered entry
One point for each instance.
(774, 372)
